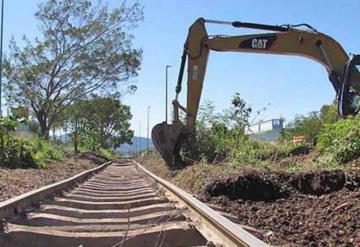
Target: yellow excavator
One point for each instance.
(301, 40)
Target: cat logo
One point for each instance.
(263, 42)
(259, 43)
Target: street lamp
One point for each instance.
(1, 51)
(166, 92)
(139, 137)
(148, 129)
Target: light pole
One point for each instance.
(147, 139)
(1, 52)
(166, 92)
(139, 137)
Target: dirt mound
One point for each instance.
(257, 185)
(322, 208)
(302, 220)
(94, 157)
(252, 186)
(300, 150)
(318, 183)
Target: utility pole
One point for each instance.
(166, 92)
(139, 137)
(147, 139)
(1, 52)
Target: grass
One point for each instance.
(193, 178)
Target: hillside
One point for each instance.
(138, 144)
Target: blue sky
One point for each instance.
(292, 85)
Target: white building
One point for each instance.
(268, 130)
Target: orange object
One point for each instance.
(298, 139)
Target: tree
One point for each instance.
(200, 144)
(239, 113)
(108, 119)
(73, 119)
(99, 122)
(310, 125)
(85, 48)
(328, 113)
(206, 113)
(216, 134)
(307, 126)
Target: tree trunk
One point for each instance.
(54, 134)
(45, 133)
(44, 127)
(76, 137)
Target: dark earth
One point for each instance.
(306, 209)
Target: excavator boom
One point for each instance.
(284, 40)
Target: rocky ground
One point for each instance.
(14, 182)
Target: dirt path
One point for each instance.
(14, 182)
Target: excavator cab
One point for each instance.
(349, 98)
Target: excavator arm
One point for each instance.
(284, 40)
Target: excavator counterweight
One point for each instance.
(343, 71)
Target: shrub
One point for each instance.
(341, 140)
(291, 149)
(252, 152)
(29, 152)
(44, 151)
(199, 145)
(106, 153)
(310, 125)
(17, 154)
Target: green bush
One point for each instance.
(28, 153)
(310, 125)
(199, 145)
(21, 152)
(223, 137)
(252, 152)
(106, 153)
(291, 149)
(341, 140)
(247, 153)
(44, 151)
(17, 154)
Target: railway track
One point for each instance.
(121, 204)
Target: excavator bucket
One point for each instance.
(165, 138)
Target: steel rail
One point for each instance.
(213, 225)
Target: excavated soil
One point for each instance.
(306, 209)
(14, 182)
(251, 185)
